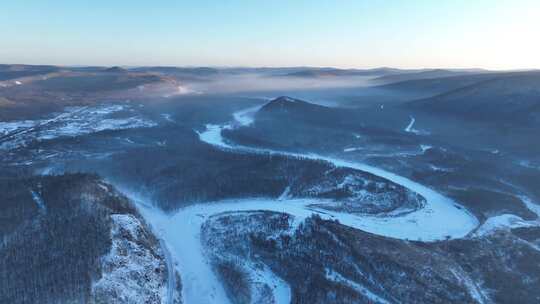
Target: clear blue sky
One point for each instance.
(495, 34)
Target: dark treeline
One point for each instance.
(51, 253)
(187, 171)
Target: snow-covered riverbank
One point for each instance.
(440, 218)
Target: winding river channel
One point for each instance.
(440, 218)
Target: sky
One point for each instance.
(492, 34)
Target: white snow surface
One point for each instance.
(474, 290)
(129, 274)
(509, 221)
(439, 169)
(338, 278)
(39, 201)
(7, 127)
(409, 127)
(167, 117)
(74, 121)
(535, 208)
(285, 193)
(280, 289)
(96, 120)
(424, 148)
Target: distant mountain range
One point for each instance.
(469, 93)
(13, 71)
(333, 72)
(26, 90)
(425, 74)
(504, 97)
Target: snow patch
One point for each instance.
(439, 169)
(74, 121)
(510, 221)
(475, 292)
(39, 201)
(280, 289)
(167, 117)
(528, 164)
(11, 126)
(261, 275)
(132, 273)
(409, 128)
(338, 278)
(285, 193)
(534, 208)
(424, 148)
(502, 222)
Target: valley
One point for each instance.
(198, 196)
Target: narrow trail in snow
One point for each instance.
(409, 127)
(39, 202)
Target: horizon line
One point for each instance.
(275, 67)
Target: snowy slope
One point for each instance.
(132, 272)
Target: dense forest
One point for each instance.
(324, 261)
(54, 232)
